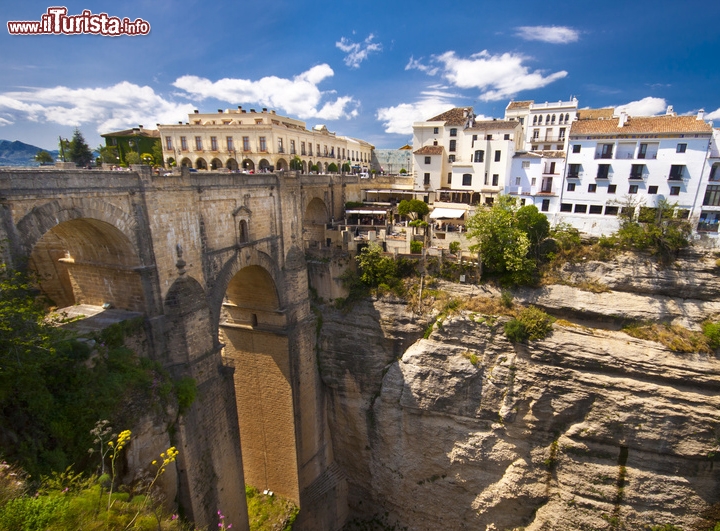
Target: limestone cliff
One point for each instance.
(586, 429)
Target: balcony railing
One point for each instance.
(707, 227)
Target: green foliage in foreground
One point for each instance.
(531, 323)
(54, 388)
(269, 513)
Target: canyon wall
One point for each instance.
(586, 429)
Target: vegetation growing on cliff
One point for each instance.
(55, 386)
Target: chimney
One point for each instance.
(670, 111)
(140, 126)
(252, 110)
(196, 111)
(701, 114)
(264, 109)
(220, 111)
(622, 120)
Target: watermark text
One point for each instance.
(57, 22)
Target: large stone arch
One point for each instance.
(188, 330)
(253, 331)
(315, 219)
(42, 219)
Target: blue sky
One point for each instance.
(365, 69)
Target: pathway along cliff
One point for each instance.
(586, 429)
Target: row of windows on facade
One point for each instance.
(610, 210)
(453, 132)
(632, 189)
(479, 156)
(550, 119)
(626, 150)
(604, 171)
(466, 179)
(262, 147)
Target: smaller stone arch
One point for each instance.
(231, 165)
(216, 164)
(264, 165)
(201, 164)
(186, 163)
(281, 165)
(304, 167)
(248, 165)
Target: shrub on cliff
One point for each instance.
(531, 323)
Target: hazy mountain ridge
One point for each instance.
(16, 153)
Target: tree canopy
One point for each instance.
(78, 151)
(43, 157)
(414, 208)
(508, 238)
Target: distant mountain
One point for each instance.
(16, 153)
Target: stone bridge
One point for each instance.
(216, 263)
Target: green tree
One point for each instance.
(147, 158)
(346, 168)
(131, 157)
(296, 163)
(535, 224)
(376, 269)
(314, 168)
(414, 208)
(332, 168)
(43, 157)
(502, 240)
(108, 154)
(64, 149)
(158, 154)
(658, 230)
(80, 153)
(403, 171)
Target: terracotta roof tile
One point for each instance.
(153, 133)
(640, 125)
(594, 114)
(456, 116)
(485, 125)
(429, 150)
(519, 105)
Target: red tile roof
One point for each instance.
(485, 125)
(640, 125)
(519, 105)
(429, 150)
(456, 116)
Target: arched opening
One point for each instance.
(243, 234)
(88, 261)
(216, 164)
(281, 165)
(304, 167)
(200, 164)
(231, 165)
(248, 165)
(253, 332)
(314, 222)
(186, 162)
(264, 165)
(170, 162)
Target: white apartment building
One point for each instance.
(462, 161)
(707, 207)
(624, 161)
(258, 141)
(545, 125)
(536, 179)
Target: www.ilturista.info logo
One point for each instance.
(56, 22)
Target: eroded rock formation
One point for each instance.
(588, 428)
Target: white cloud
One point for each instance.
(645, 107)
(415, 64)
(120, 106)
(715, 115)
(551, 34)
(497, 76)
(357, 52)
(399, 118)
(298, 96)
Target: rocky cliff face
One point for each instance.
(586, 429)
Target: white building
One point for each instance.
(258, 141)
(545, 125)
(707, 207)
(624, 161)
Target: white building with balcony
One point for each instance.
(631, 161)
(707, 207)
(545, 125)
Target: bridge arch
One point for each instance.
(315, 219)
(253, 332)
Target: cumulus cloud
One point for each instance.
(399, 118)
(111, 108)
(299, 96)
(416, 64)
(715, 115)
(498, 77)
(551, 34)
(357, 52)
(645, 107)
